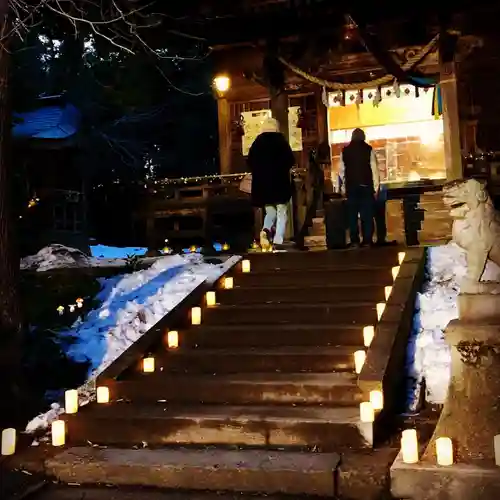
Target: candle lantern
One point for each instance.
(58, 433)
(102, 395)
(211, 298)
(387, 292)
(395, 272)
(8, 442)
(380, 310)
(228, 283)
(444, 451)
(368, 335)
(245, 266)
(377, 400)
(148, 365)
(71, 401)
(359, 360)
(409, 446)
(401, 257)
(196, 316)
(366, 413)
(173, 339)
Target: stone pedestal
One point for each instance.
(471, 413)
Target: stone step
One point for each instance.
(337, 259)
(230, 336)
(161, 424)
(318, 220)
(361, 275)
(239, 389)
(259, 471)
(274, 360)
(318, 294)
(313, 314)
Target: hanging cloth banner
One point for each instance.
(437, 102)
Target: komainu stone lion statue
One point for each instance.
(476, 224)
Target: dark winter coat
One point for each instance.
(358, 171)
(270, 160)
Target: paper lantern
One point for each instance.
(245, 266)
(409, 446)
(401, 257)
(79, 303)
(8, 442)
(359, 360)
(102, 395)
(366, 413)
(58, 433)
(377, 400)
(387, 292)
(71, 401)
(368, 335)
(395, 272)
(210, 299)
(148, 365)
(60, 310)
(444, 451)
(196, 316)
(380, 310)
(228, 283)
(173, 339)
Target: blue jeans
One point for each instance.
(360, 203)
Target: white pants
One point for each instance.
(276, 216)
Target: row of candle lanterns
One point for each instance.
(368, 409)
(409, 448)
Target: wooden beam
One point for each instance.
(451, 119)
(224, 121)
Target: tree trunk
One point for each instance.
(10, 314)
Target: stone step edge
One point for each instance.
(257, 471)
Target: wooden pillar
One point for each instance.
(322, 119)
(451, 120)
(224, 121)
(279, 110)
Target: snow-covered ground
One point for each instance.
(428, 354)
(129, 306)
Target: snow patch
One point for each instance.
(429, 358)
(130, 305)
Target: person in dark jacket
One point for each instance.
(270, 161)
(360, 182)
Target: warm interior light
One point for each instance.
(368, 335)
(245, 266)
(359, 360)
(444, 451)
(173, 339)
(196, 316)
(401, 257)
(409, 446)
(222, 83)
(366, 412)
(496, 447)
(377, 400)
(228, 283)
(211, 298)
(58, 433)
(148, 365)
(395, 272)
(102, 395)
(8, 442)
(380, 310)
(71, 401)
(387, 292)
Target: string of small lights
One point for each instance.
(207, 179)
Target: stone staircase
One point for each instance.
(261, 397)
